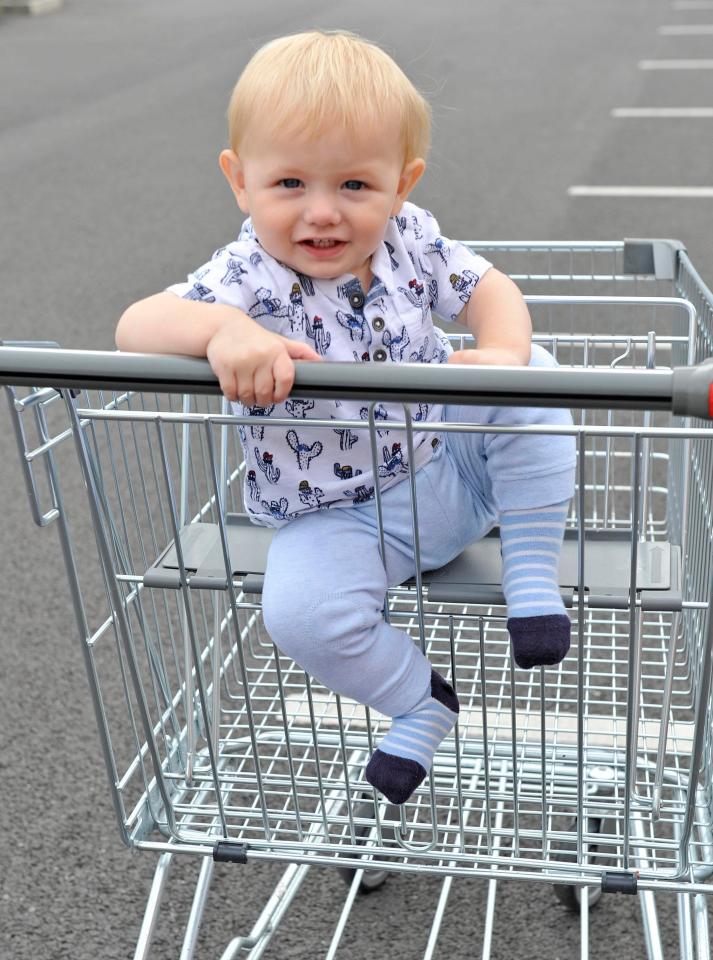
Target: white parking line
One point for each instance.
(675, 64)
(658, 192)
(686, 30)
(687, 113)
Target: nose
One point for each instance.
(322, 210)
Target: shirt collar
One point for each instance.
(381, 266)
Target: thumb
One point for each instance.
(300, 351)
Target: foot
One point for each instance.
(404, 757)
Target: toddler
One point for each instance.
(327, 140)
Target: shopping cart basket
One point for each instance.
(594, 775)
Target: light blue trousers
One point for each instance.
(325, 582)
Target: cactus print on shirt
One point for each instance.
(416, 271)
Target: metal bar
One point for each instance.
(665, 713)
(543, 759)
(200, 898)
(632, 694)
(302, 854)
(584, 923)
(484, 715)
(344, 915)
(703, 942)
(702, 707)
(513, 748)
(581, 510)
(649, 916)
(685, 927)
(438, 918)
(407, 383)
(153, 905)
(493, 884)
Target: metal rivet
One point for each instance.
(356, 299)
(378, 323)
(380, 355)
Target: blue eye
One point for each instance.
(354, 184)
(290, 183)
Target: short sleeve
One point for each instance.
(452, 270)
(221, 280)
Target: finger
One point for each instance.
(300, 351)
(229, 386)
(283, 372)
(264, 386)
(246, 389)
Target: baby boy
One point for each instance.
(327, 140)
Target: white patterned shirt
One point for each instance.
(290, 471)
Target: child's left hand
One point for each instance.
(495, 356)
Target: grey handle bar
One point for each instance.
(686, 391)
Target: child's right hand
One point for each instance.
(252, 364)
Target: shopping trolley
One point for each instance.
(593, 776)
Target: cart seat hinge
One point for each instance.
(226, 851)
(619, 882)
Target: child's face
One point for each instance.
(321, 205)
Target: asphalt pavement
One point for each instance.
(111, 121)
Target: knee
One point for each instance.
(304, 623)
(284, 615)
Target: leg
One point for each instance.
(323, 605)
(529, 480)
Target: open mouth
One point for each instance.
(318, 247)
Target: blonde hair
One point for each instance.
(310, 81)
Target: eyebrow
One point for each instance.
(364, 172)
(368, 167)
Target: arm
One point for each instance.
(165, 323)
(251, 363)
(498, 317)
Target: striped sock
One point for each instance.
(531, 541)
(404, 756)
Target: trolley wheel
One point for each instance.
(569, 894)
(372, 878)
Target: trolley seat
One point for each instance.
(473, 577)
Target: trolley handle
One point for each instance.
(693, 390)
(685, 390)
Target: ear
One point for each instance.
(410, 175)
(232, 169)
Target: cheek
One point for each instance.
(374, 219)
(265, 218)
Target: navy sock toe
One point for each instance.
(539, 641)
(395, 777)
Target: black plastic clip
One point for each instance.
(227, 852)
(619, 882)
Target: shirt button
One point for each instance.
(380, 355)
(356, 299)
(378, 323)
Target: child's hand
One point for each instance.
(495, 356)
(254, 365)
